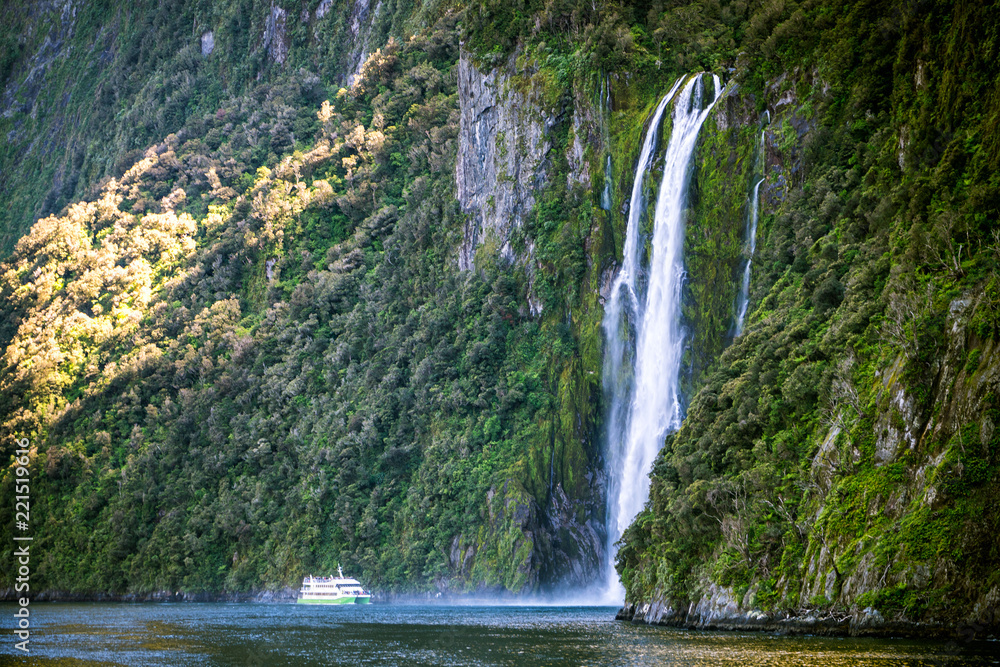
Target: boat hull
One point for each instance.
(341, 600)
(363, 599)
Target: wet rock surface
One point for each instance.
(717, 612)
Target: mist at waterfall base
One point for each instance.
(642, 328)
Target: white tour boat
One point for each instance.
(333, 590)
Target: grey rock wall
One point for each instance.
(362, 25)
(718, 610)
(502, 158)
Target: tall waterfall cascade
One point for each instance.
(642, 327)
(744, 298)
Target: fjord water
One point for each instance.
(643, 334)
(258, 635)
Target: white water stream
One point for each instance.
(642, 327)
(744, 298)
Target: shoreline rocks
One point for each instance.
(704, 615)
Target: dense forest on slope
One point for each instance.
(237, 367)
(88, 87)
(268, 310)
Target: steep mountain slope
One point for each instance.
(841, 460)
(304, 313)
(233, 373)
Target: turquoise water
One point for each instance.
(287, 634)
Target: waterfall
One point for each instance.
(606, 192)
(744, 298)
(605, 111)
(644, 340)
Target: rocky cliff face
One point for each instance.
(508, 130)
(515, 138)
(502, 159)
(718, 609)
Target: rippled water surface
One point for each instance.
(288, 634)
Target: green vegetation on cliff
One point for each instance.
(235, 368)
(842, 453)
(235, 331)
